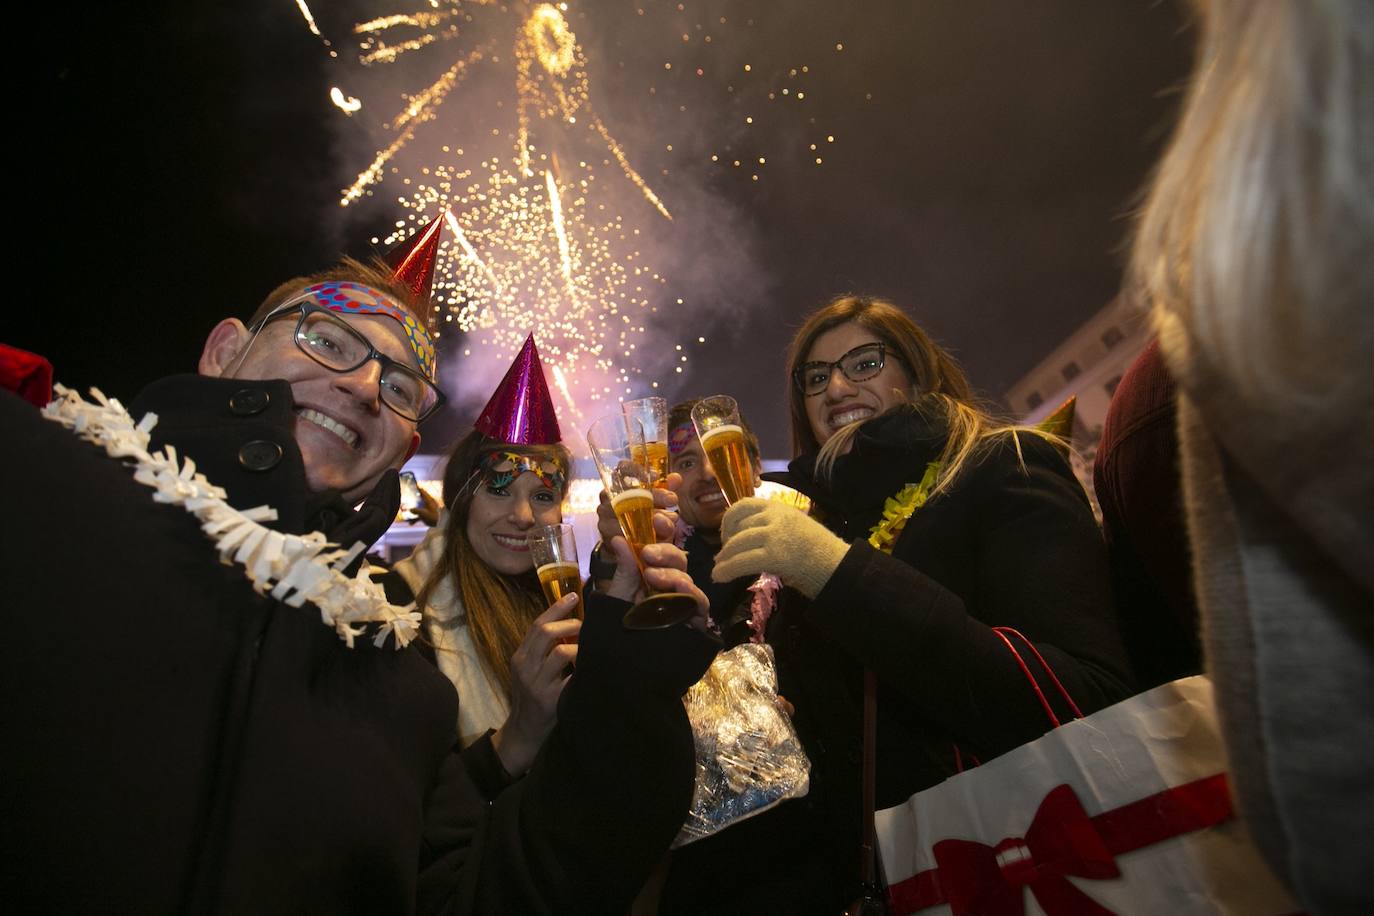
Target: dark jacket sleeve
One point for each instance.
(485, 767)
(606, 795)
(1037, 563)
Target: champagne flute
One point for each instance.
(553, 548)
(617, 446)
(652, 413)
(721, 435)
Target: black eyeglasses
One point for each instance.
(858, 365)
(338, 346)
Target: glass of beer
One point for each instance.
(618, 448)
(553, 548)
(722, 440)
(652, 414)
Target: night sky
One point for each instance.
(176, 161)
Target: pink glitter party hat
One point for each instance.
(412, 261)
(521, 412)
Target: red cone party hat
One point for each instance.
(521, 412)
(412, 261)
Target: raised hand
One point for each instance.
(762, 535)
(538, 674)
(665, 570)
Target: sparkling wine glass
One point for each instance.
(617, 446)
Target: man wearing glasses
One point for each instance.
(178, 739)
(361, 371)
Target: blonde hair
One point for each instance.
(1253, 246)
(499, 608)
(938, 390)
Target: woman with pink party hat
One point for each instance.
(493, 634)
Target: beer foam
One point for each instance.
(637, 493)
(715, 431)
(559, 567)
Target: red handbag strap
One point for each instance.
(1005, 634)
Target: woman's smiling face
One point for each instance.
(844, 401)
(499, 518)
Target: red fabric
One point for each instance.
(26, 374)
(1062, 840)
(1136, 476)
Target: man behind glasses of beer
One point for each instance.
(700, 504)
(181, 740)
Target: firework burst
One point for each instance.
(546, 235)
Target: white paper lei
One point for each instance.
(291, 568)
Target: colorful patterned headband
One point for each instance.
(491, 467)
(357, 299)
(681, 437)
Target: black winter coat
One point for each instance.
(1009, 544)
(175, 742)
(1012, 543)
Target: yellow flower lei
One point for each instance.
(898, 509)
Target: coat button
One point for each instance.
(260, 455)
(248, 401)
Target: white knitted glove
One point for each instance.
(762, 535)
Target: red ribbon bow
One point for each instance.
(1062, 841)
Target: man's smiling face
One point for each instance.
(700, 501)
(346, 435)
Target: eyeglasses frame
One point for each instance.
(831, 366)
(307, 307)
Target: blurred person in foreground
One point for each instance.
(179, 739)
(1254, 252)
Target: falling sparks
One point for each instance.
(547, 41)
(309, 18)
(419, 20)
(468, 251)
(560, 381)
(385, 54)
(525, 251)
(347, 104)
(561, 232)
(550, 82)
(559, 253)
(630, 173)
(420, 109)
(537, 254)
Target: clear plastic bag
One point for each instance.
(748, 754)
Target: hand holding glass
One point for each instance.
(721, 435)
(553, 548)
(618, 447)
(652, 414)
